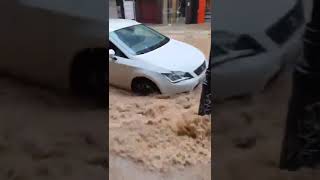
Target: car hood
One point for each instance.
(174, 56)
(249, 16)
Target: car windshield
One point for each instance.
(138, 39)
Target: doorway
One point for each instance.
(149, 11)
(192, 11)
(183, 11)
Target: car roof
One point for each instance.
(248, 16)
(115, 24)
(83, 8)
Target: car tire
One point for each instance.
(144, 87)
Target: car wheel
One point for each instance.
(95, 79)
(143, 86)
(88, 76)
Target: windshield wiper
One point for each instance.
(151, 48)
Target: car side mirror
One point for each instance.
(112, 54)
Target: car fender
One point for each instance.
(155, 77)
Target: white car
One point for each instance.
(56, 44)
(145, 61)
(250, 45)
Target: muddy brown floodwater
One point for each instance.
(123, 169)
(161, 137)
(44, 135)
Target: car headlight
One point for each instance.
(177, 76)
(235, 44)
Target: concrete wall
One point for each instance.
(113, 13)
(165, 12)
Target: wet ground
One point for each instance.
(123, 169)
(45, 135)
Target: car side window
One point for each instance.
(117, 50)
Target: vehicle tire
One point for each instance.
(144, 87)
(88, 76)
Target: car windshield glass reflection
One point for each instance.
(139, 39)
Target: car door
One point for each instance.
(120, 69)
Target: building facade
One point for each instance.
(162, 11)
